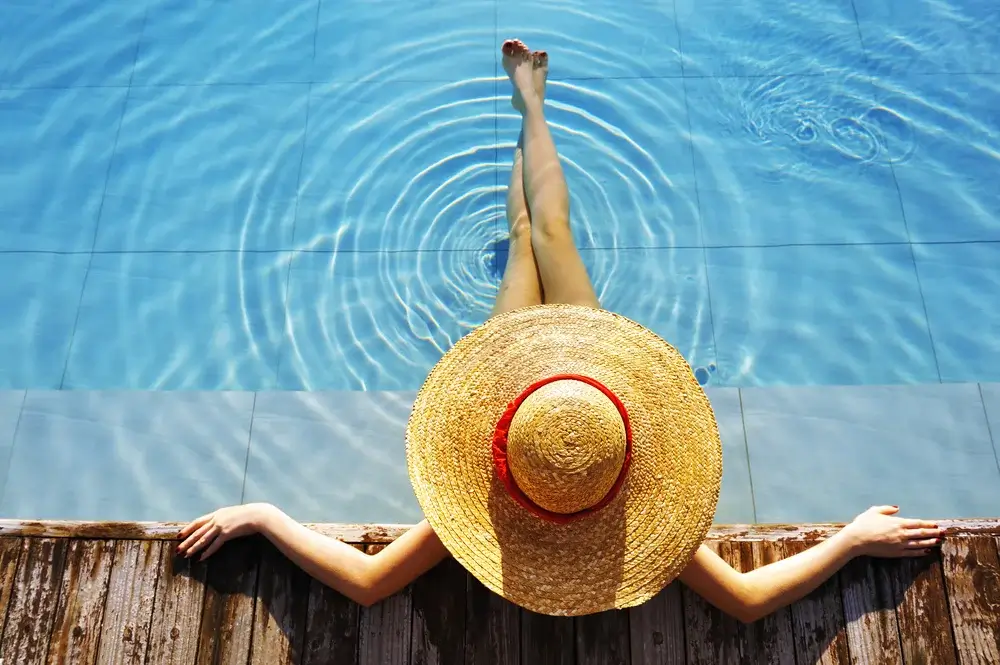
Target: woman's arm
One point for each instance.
(753, 595)
(365, 579)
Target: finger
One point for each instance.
(189, 529)
(915, 534)
(189, 545)
(919, 524)
(886, 510)
(214, 547)
(207, 538)
(922, 544)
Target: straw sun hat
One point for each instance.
(567, 457)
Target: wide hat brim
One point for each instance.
(617, 557)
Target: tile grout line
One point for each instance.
(746, 450)
(697, 197)
(246, 462)
(447, 250)
(5, 471)
(298, 196)
(498, 202)
(989, 428)
(104, 196)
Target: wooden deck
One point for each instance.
(116, 593)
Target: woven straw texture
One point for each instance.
(618, 557)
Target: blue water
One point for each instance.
(306, 194)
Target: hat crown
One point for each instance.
(566, 446)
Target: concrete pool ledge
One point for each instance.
(808, 454)
(118, 592)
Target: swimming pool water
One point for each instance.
(305, 194)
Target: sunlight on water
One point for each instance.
(301, 195)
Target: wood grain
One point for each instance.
(492, 629)
(384, 628)
(180, 593)
(818, 621)
(925, 632)
(32, 606)
(869, 613)
(79, 618)
(280, 612)
(711, 635)
(547, 639)
(129, 608)
(438, 634)
(331, 626)
(773, 634)
(972, 576)
(227, 615)
(656, 629)
(603, 638)
(10, 553)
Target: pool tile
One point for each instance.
(10, 413)
(943, 135)
(629, 174)
(379, 321)
(736, 498)
(349, 456)
(150, 456)
(758, 37)
(961, 286)
(384, 41)
(185, 321)
(418, 172)
(643, 42)
(930, 36)
(206, 168)
(818, 315)
(663, 289)
(774, 169)
(39, 301)
(56, 146)
(68, 43)
(822, 454)
(991, 402)
(239, 41)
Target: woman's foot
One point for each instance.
(527, 72)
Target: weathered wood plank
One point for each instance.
(280, 612)
(492, 629)
(76, 632)
(656, 629)
(712, 636)
(386, 533)
(869, 613)
(228, 611)
(32, 607)
(818, 621)
(925, 633)
(547, 639)
(603, 639)
(771, 636)
(438, 635)
(331, 626)
(10, 553)
(972, 577)
(128, 610)
(180, 592)
(384, 628)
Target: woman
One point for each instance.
(564, 455)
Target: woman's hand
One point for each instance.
(211, 531)
(876, 532)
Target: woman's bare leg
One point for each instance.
(563, 275)
(521, 284)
